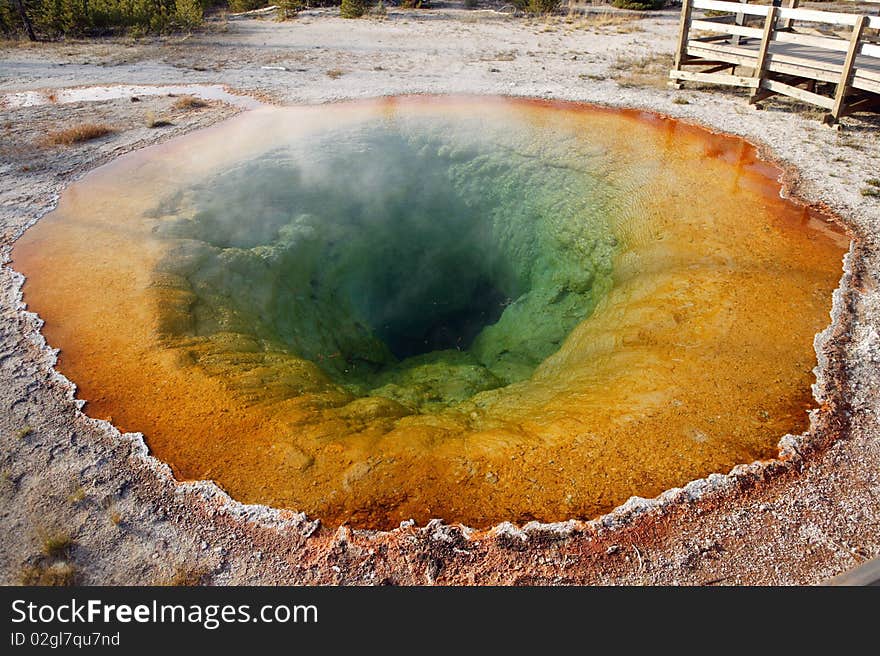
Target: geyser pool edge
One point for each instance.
(692, 293)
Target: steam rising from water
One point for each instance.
(418, 260)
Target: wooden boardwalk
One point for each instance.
(866, 574)
(828, 59)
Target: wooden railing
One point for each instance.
(779, 50)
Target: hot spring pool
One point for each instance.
(478, 309)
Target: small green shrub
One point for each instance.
(537, 6)
(352, 8)
(239, 6)
(188, 14)
(288, 9)
(638, 5)
(56, 18)
(543, 6)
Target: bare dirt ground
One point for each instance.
(84, 504)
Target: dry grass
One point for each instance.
(335, 73)
(187, 577)
(55, 574)
(78, 134)
(153, 121)
(114, 516)
(24, 432)
(646, 71)
(622, 23)
(78, 495)
(189, 102)
(57, 544)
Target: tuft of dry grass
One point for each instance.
(153, 121)
(871, 192)
(8, 482)
(189, 102)
(55, 574)
(57, 544)
(646, 71)
(77, 134)
(187, 577)
(78, 495)
(24, 432)
(335, 73)
(606, 20)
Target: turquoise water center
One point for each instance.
(413, 259)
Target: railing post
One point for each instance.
(846, 73)
(684, 27)
(786, 23)
(761, 63)
(739, 19)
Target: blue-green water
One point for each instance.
(417, 261)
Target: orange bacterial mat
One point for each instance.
(477, 309)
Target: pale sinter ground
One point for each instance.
(64, 475)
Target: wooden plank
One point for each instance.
(864, 84)
(731, 7)
(824, 42)
(699, 61)
(714, 78)
(698, 50)
(866, 73)
(766, 38)
(683, 29)
(811, 73)
(800, 94)
(777, 62)
(710, 39)
(848, 63)
(815, 16)
(750, 32)
(870, 50)
(868, 573)
(814, 69)
(719, 68)
(798, 14)
(729, 20)
(726, 49)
